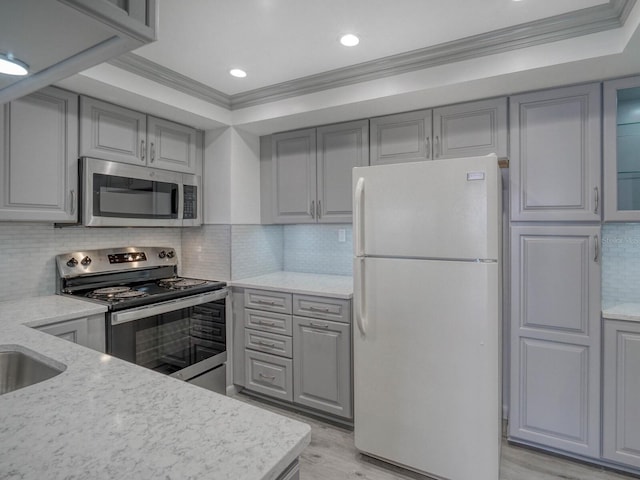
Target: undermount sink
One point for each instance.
(20, 367)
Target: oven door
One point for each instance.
(121, 195)
(184, 338)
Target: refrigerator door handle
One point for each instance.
(361, 321)
(357, 218)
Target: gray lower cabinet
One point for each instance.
(311, 172)
(555, 168)
(115, 133)
(295, 348)
(555, 338)
(322, 365)
(621, 376)
(462, 130)
(87, 331)
(39, 157)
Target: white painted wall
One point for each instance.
(231, 177)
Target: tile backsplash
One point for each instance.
(219, 252)
(27, 264)
(620, 263)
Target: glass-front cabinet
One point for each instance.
(622, 149)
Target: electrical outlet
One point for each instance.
(342, 235)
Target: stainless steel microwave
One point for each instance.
(116, 194)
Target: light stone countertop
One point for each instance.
(623, 311)
(336, 286)
(104, 418)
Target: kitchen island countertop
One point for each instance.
(104, 418)
(336, 286)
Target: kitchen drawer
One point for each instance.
(336, 309)
(265, 300)
(268, 342)
(269, 375)
(268, 322)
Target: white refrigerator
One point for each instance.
(427, 308)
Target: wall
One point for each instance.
(27, 263)
(620, 263)
(317, 249)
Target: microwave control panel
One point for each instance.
(190, 210)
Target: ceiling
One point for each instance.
(413, 54)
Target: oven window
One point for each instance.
(171, 341)
(126, 197)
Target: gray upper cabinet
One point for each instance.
(463, 130)
(311, 172)
(115, 133)
(555, 155)
(555, 338)
(294, 176)
(39, 157)
(470, 129)
(403, 137)
(339, 148)
(621, 422)
(86, 33)
(621, 146)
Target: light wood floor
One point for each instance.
(332, 456)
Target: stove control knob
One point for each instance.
(162, 254)
(171, 254)
(72, 262)
(85, 261)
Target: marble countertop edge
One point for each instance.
(623, 311)
(322, 285)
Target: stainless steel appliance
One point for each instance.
(116, 194)
(156, 319)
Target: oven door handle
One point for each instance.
(159, 308)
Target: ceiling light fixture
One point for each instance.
(236, 72)
(349, 40)
(12, 66)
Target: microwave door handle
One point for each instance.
(175, 200)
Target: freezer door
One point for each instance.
(427, 365)
(434, 209)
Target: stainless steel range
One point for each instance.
(156, 319)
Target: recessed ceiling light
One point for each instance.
(349, 40)
(12, 66)
(236, 72)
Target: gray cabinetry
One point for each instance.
(403, 137)
(295, 348)
(621, 146)
(555, 337)
(87, 331)
(39, 157)
(555, 155)
(311, 172)
(463, 130)
(111, 132)
(621, 376)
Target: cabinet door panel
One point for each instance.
(621, 416)
(339, 148)
(555, 154)
(405, 137)
(171, 145)
(38, 148)
(322, 365)
(471, 129)
(269, 375)
(76, 331)
(294, 176)
(555, 337)
(111, 132)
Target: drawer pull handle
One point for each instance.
(268, 324)
(266, 302)
(319, 309)
(319, 325)
(266, 344)
(267, 377)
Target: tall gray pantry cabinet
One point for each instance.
(555, 183)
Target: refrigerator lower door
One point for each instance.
(427, 365)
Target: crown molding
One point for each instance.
(560, 27)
